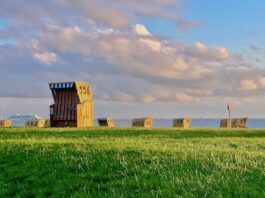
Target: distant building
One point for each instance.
(20, 120)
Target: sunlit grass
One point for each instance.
(124, 162)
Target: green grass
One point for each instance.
(132, 163)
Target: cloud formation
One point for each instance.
(102, 43)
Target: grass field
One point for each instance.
(132, 163)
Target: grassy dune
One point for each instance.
(132, 163)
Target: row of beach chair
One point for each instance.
(178, 123)
(139, 122)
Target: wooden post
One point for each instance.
(229, 109)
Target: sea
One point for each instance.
(195, 123)
(19, 121)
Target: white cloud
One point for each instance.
(46, 57)
(166, 71)
(42, 55)
(141, 30)
(262, 81)
(104, 44)
(204, 51)
(185, 98)
(155, 45)
(248, 85)
(137, 55)
(236, 103)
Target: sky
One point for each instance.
(157, 58)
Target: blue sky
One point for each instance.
(234, 24)
(3, 24)
(157, 57)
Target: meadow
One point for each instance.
(125, 162)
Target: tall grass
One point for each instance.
(125, 162)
